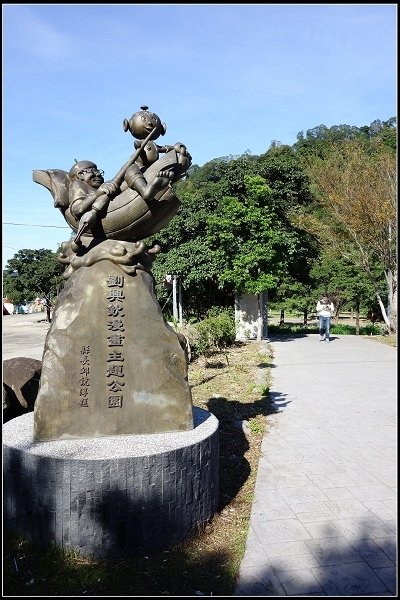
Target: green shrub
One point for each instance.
(292, 328)
(343, 329)
(373, 330)
(214, 333)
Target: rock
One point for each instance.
(185, 345)
(111, 363)
(21, 378)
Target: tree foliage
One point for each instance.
(33, 273)
(318, 140)
(297, 220)
(345, 283)
(232, 233)
(252, 243)
(355, 213)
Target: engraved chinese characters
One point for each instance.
(111, 363)
(84, 380)
(115, 370)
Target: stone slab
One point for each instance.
(112, 496)
(111, 363)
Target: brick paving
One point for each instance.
(324, 516)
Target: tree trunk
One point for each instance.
(282, 319)
(305, 316)
(357, 317)
(383, 311)
(391, 314)
(336, 315)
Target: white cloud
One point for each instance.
(24, 30)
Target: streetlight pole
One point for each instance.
(174, 302)
(180, 301)
(175, 282)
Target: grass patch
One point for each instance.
(388, 340)
(343, 329)
(207, 563)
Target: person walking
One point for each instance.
(325, 310)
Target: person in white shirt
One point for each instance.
(325, 310)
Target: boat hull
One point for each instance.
(131, 218)
(128, 216)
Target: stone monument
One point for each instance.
(113, 424)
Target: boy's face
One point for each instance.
(142, 123)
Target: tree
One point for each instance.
(290, 189)
(318, 141)
(289, 183)
(239, 228)
(232, 229)
(355, 212)
(344, 282)
(253, 245)
(185, 250)
(32, 273)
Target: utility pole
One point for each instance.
(175, 282)
(177, 299)
(174, 301)
(180, 301)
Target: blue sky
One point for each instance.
(224, 78)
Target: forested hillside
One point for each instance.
(296, 221)
(318, 216)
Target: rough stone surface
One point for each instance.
(21, 378)
(111, 363)
(110, 497)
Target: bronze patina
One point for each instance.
(137, 202)
(111, 364)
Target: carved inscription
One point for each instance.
(84, 376)
(115, 325)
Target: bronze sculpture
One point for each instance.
(137, 202)
(111, 363)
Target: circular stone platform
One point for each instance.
(111, 496)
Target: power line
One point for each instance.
(34, 225)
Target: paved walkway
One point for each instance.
(323, 521)
(24, 335)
